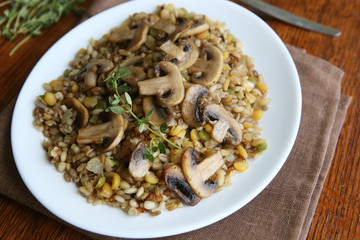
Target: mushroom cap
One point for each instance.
(159, 115)
(176, 182)
(168, 87)
(207, 69)
(226, 123)
(82, 117)
(107, 134)
(190, 108)
(198, 174)
(171, 31)
(183, 55)
(139, 165)
(197, 27)
(139, 38)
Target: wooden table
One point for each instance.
(338, 212)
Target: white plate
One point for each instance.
(280, 124)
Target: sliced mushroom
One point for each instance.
(91, 71)
(167, 87)
(136, 66)
(197, 27)
(139, 165)
(159, 115)
(170, 31)
(133, 38)
(207, 69)
(183, 55)
(176, 182)
(191, 109)
(82, 116)
(198, 174)
(225, 123)
(107, 134)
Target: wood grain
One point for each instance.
(338, 211)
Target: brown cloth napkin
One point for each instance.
(284, 210)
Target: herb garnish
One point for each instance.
(123, 104)
(31, 16)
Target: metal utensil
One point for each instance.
(290, 18)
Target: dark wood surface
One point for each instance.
(338, 212)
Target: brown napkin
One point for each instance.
(284, 210)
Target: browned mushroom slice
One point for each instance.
(183, 55)
(91, 71)
(190, 108)
(165, 30)
(198, 174)
(136, 66)
(133, 38)
(197, 27)
(167, 87)
(160, 114)
(107, 134)
(176, 182)
(82, 116)
(139, 165)
(207, 69)
(225, 123)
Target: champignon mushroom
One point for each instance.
(139, 165)
(190, 108)
(160, 114)
(197, 27)
(136, 66)
(225, 123)
(170, 31)
(167, 87)
(133, 38)
(91, 71)
(82, 116)
(183, 55)
(198, 174)
(207, 69)
(107, 134)
(176, 182)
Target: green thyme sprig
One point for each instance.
(29, 17)
(123, 104)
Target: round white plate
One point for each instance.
(280, 124)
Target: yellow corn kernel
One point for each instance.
(151, 178)
(194, 135)
(208, 127)
(241, 165)
(225, 55)
(261, 87)
(57, 85)
(203, 35)
(75, 88)
(175, 130)
(106, 191)
(229, 38)
(226, 83)
(181, 134)
(116, 180)
(257, 142)
(187, 144)
(242, 151)
(152, 135)
(50, 99)
(258, 114)
(247, 125)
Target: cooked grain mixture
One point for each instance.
(160, 112)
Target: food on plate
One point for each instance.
(160, 112)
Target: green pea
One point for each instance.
(204, 135)
(231, 91)
(261, 147)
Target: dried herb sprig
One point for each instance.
(123, 104)
(23, 17)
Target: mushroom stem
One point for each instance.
(207, 166)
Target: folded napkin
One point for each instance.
(284, 210)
